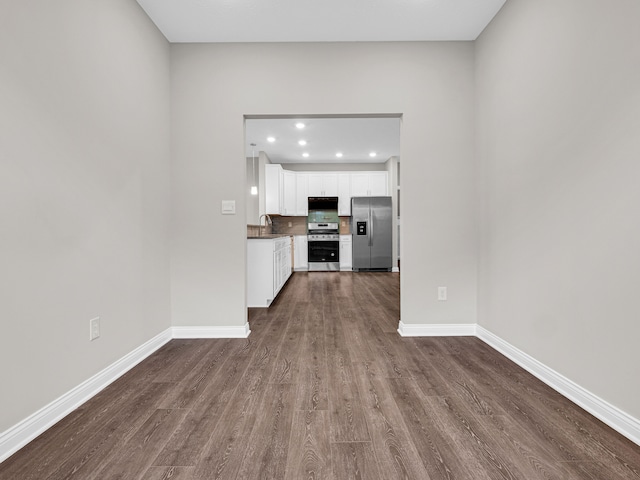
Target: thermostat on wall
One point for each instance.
(228, 207)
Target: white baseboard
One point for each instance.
(614, 417)
(395, 270)
(242, 331)
(617, 419)
(436, 330)
(22, 433)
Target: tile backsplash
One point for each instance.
(257, 230)
(298, 225)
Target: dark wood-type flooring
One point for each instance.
(324, 388)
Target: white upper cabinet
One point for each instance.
(344, 194)
(323, 185)
(302, 194)
(378, 184)
(289, 194)
(330, 184)
(273, 179)
(315, 185)
(360, 184)
(369, 184)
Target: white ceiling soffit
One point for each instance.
(354, 138)
(201, 21)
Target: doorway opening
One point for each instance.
(292, 158)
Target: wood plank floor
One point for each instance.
(324, 388)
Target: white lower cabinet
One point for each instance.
(346, 254)
(300, 253)
(268, 269)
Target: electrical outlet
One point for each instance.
(94, 328)
(442, 293)
(290, 224)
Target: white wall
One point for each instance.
(558, 92)
(84, 165)
(432, 86)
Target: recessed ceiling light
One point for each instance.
(305, 154)
(302, 143)
(372, 154)
(271, 139)
(300, 125)
(339, 154)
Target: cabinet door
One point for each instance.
(286, 272)
(260, 278)
(300, 252)
(344, 194)
(346, 262)
(330, 185)
(323, 185)
(302, 194)
(315, 185)
(378, 184)
(359, 184)
(272, 189)
(289, 193)
(276, 273)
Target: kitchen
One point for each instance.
(303, 174)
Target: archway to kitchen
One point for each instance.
(296, 166)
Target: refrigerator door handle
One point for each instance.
(370, 228)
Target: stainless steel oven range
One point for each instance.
(324, 247)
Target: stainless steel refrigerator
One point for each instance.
(371, 227)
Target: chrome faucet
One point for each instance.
(267, 221)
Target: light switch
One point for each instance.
(228, 207)
(442, 293)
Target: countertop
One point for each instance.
(268, 236)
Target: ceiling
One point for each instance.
(355, 138)
(184, 21)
